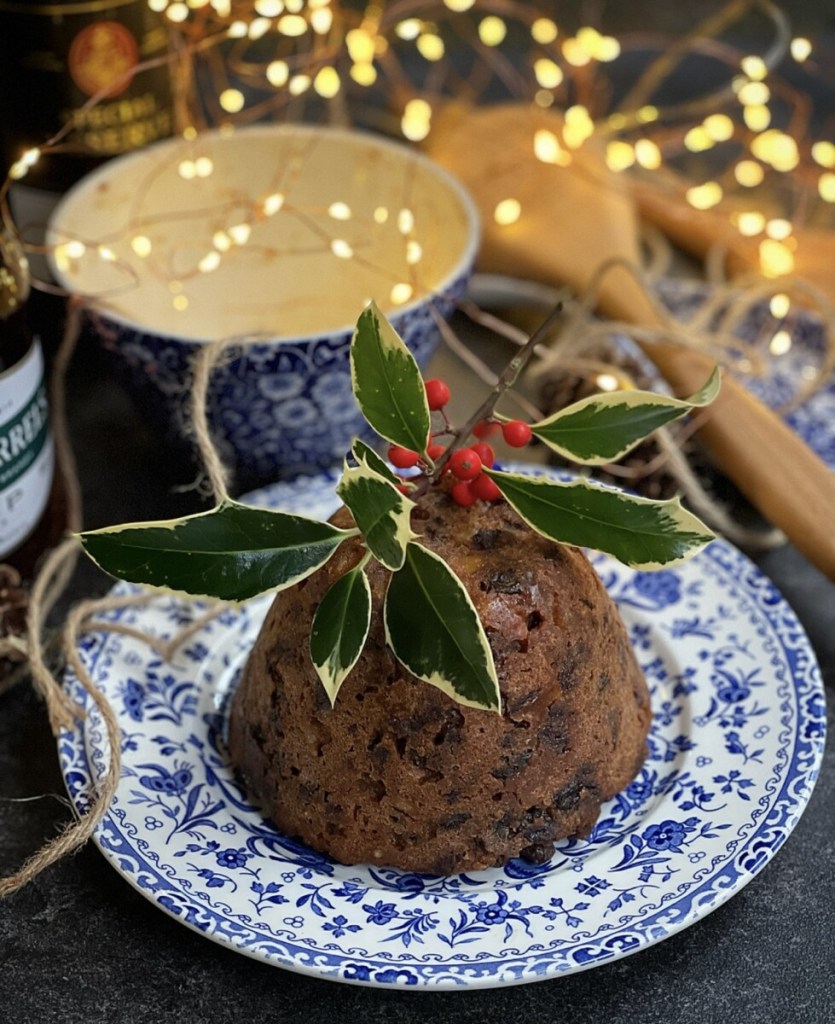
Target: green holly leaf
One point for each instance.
(340, 628)
(231, 552)
(602, 428)
(387, 382)
(380, 511)
(434, 630)
(637, 531)
(365, 453)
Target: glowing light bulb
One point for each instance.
(259, 27)
(776, 259)
(414, 252)
(779, 306)
(749, 173)
(548, 73)
(321, 21)
(299, 84)
(778, 228)
(239, 233)
(648, 154)
(823, 153)
(360, 45)
(416, 120)
(750, 223)
(619, 155)
(547, 148)
(278, 73)
(492, 31)
(273, 203)
(232, 100)
(758, 118)
(210, 262)
(706, 196)
(405, 221)
(339, 211)
(776, 148)
(780, 344)
(364, 74)
(401, 293)
(141, 245)
(327, 82)
(292, 25)
(754, 67)
(800, 49)
(719, 127)
(341, 249)
(507, 212)
(754, 94)
(574, 53)
(544, 31)
(430, 46)
(697, 140)
(408, 29)
(826, 187)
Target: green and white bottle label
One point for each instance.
(27, 455)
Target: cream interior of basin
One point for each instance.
(285, 230)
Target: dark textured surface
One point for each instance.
(80, 945)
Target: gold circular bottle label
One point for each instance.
(100, 57)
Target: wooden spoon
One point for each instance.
(576, 217)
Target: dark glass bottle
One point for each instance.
(32, 502)
(54, 57)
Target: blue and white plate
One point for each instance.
(734, 752)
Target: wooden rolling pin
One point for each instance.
(576, 217)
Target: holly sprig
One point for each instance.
(235, 552)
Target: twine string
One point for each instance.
(580, 338)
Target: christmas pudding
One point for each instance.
(396, 773)
(442, 682)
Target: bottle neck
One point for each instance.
(15, 333)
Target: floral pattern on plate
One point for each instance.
(735, 748)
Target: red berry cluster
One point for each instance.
(467, 465)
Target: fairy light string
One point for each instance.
(741, 151)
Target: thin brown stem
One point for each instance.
(506, 380)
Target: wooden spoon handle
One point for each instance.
(768, 462)
(775, 470)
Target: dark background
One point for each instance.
(80, 945)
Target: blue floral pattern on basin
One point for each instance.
(735, 748)
(276, 408)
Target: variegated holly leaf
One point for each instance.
(602, 428)
(387, 382)
(365, 453)
(435, 632)
(231, 552)
(340, 628)
(637, 531)
(380, 511)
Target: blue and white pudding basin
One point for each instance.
(277, 236)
